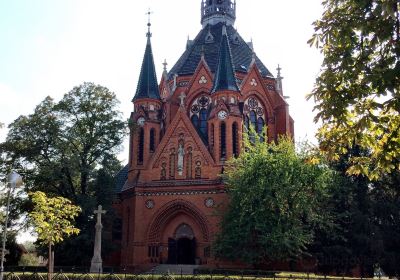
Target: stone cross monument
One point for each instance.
(97, 263)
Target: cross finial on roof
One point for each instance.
(202, 51)
(165, 64)
(279, 71)
(149, 13)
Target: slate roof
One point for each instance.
(121, 178)
(241, 52)
(147, 86)
(225, 76)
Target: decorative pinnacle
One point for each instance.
(149, 13)
(165, 64)
(279, 72)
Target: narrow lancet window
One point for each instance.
(235, 135)
(141, 147)
(223, 140)
(152, 140)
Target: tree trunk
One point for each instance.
(50, 264)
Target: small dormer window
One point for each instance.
(236, 39)
(209, 38)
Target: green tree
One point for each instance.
(53, 219)
(61, 144)
(351, 238)
(275, 198)
(357, 92)
(68, 148)
(29, 259)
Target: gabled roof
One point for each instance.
(181, 117)
(147, 86)
(121, 178)
(241, 53)
(225, 76)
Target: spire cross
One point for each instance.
(149, 13)
(279, 71)
(165, 64)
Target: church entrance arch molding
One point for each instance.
(169, 212)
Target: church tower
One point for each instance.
(183, 130)
(215, 11)
(145, 121)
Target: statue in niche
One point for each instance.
(197, 170)
(164, 171)
(172, 164)
(181, 155)
(189, 163)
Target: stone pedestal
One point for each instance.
(97, 263)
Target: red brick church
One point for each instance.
(183, 130)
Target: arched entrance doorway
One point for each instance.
(182, 247)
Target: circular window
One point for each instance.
(253, 103)
(209, 202)
(150, 204)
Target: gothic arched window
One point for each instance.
(260, 128)
(195, 121)
(203, 122)
(141, 147)
(247, 123)
(223, 140)
(152, 140)
(199, 115)
(254, 116)
(253, 120)
(235, 146)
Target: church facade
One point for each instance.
(183, 130)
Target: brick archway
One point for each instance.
(171, 210)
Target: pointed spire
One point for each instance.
(225, 75)
(147, 86)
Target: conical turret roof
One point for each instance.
(225, 76)
(147, 86)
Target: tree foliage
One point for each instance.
(357, 92)
(53, 220)
(68, 148)
(276, 195)
(365, 223)
(60, 145)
